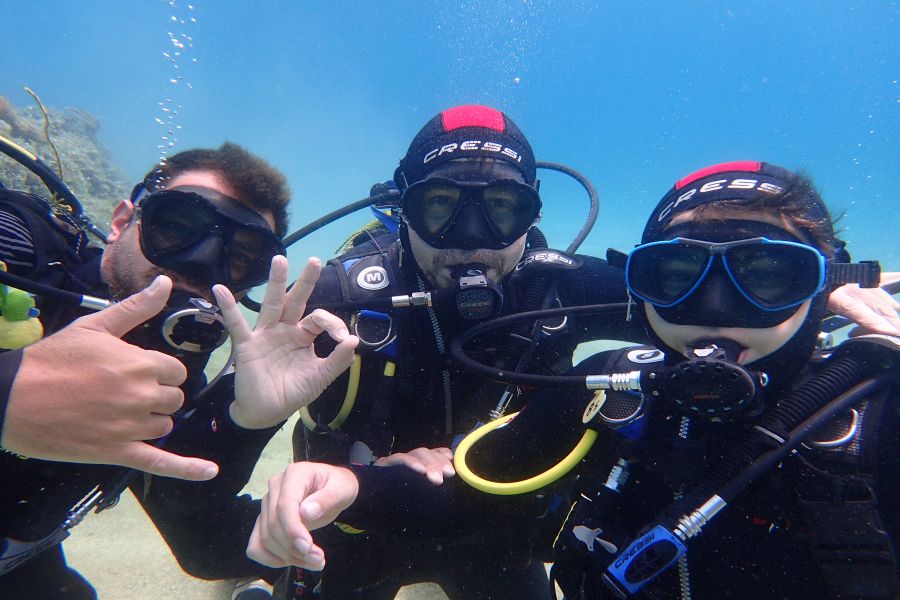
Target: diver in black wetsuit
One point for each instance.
(468, 208)
(205, 217)
(735, 267)
(401, 529)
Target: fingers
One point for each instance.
(156, 426)
(272, 533)
(273, 302)
(337, 491)
(166, 400)
(318, 321)
(888, 277)
(299, 295)
(121, 318)
(435, 463)
(280, 537)
(256, 549)
(340, 359)
(144, 457)
(873, 309)
(291, 530)
(168, 370)
(235, 322)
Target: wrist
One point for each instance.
(240, 417)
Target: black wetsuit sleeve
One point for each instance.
(400, 500)
(207, 524)
(9, 366)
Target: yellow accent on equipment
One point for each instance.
(524, 486)
(346, 406)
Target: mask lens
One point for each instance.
(663, 273)
(431, 206)
(510, 208)
(250, 255)
(775, 275)
(169, 222)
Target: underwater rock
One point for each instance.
(86, 165)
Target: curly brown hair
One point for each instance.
(255, 182)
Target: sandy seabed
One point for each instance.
(122, 554)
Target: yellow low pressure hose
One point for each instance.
(511, 488)
(349, 398)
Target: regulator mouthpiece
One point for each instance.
(476, 297)
(711, 385)
(197, 328)
(188, 326)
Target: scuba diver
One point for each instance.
(209, 223)
(465, 239)
(733, 458)
(462, 248)
(755, 309)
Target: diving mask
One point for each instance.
(206, 236)
(772, 275)
(447, 213)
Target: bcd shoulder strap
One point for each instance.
(846, 533)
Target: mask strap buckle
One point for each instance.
(867, 273)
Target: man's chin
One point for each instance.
(441, 279)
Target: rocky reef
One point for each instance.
(87, 167)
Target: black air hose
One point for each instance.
(536, 238)
(535, 297)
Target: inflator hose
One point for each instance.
(510, 488)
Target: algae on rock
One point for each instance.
(87, 167)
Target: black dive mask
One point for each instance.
(206, 236)
(447, 213)
(475, 296)
(187, 326)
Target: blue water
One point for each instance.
(635, 95)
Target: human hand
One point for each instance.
(277, 371)
(83, 395)
(433, 463)
(303, 498)
(873, 309)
